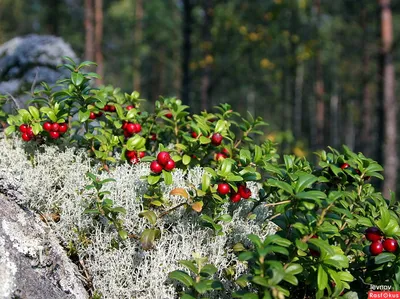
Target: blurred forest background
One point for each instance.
(320, 72)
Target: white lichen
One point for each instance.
(55, 182)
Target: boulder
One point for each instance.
(32, 263)
(29, 60)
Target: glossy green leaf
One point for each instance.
(182, 277)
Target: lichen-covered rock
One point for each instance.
(32, 263)
(29, 60)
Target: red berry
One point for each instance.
(23, 127)
(137, 128)
(29, 131)
(153, 136)
(219, 156)
(244, 192)
(216, 139)
(168, 115)
(92, 115)
(55, 127)
(130, 128)
(127, 134)
(142, 154)
(124, 123)
(130, 154)
(63, 128)
(344, 166)
(223, 188)
(130, 107)
(376, 247)
(106, 108)
(225, 151)
(26, 137)
(98, 114)
(47, 126)
(155, 167)
(194, 134)
(390, 245)
(163, 158)
(112, 108)
(373, 234)
(235, 197)
(54, 134)
(170, 165)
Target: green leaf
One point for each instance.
(147, 238)
(204, 286)
(245, 256)
(208, 270)
(337, 260)
(205, 182)
(322, 278)
(9, 130)
(190, 265)
(281, 185)
(77, 78)
(182, 277)
(262, 281)
(150, 216)
(34, 112)
(305, 181)
(186, 159)
(255, 240)
(83, 115)
(204, 140)
(153, 179)
(384, 257)
(136, 143)
(187, 296)
(167, 177)
(294, 269)
(313, 195)
(278, 240)
(291, 279)
(257, 154)
(123, 234)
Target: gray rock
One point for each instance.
(29, 60)
(32, 263)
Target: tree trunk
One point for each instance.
(319, 85)
(53, 14)
(208, 58)
(138, 37)
(186, 50)
(98, 39)
(367, 115)
(390, 160)
(89, 30)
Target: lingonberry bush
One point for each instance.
(183, 187)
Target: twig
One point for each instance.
(170, 210)
(277, 203)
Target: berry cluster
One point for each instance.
(55, 129)
(242, 191)
(27, 133)
(164, 161)
(133, 157)
(377, 246)
(130, 128)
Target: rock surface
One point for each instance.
(32, 263)
(29, 60)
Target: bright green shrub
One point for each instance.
(217, 181)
